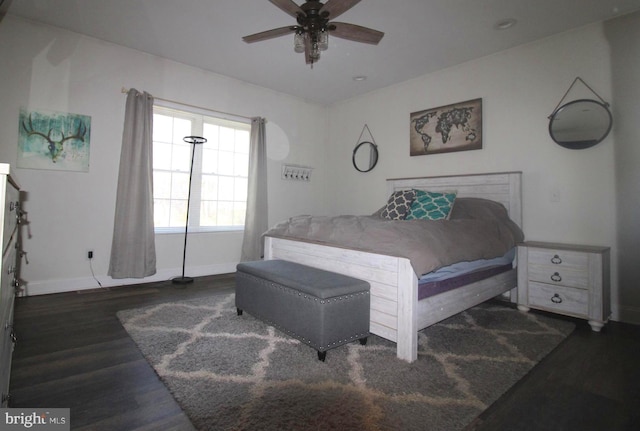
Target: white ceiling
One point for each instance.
(421, 36)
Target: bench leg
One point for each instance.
(239, 311)
(363, 341)
(322, 355)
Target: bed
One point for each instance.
(397, 313)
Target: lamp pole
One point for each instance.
(182, 281)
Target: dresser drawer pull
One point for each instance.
(556, 299)
(556, 260)
(556, 277)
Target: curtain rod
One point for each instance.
(126, 90)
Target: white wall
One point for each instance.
(519, 88)
(624, 36)
(46, 68)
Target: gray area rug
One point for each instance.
(232, 372)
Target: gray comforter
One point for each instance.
(429, 245)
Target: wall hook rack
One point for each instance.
(296, 173)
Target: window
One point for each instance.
(220, 170)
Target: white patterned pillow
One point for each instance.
(431, 206)
(398, 205)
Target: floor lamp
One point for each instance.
(193, 140)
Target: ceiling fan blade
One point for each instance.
(355, 32)
(288, 6)
(338, 7)
(269, 34)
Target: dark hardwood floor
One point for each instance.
(72, 352)
(590, 382)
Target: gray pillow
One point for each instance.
(478, 208)
(398, 205)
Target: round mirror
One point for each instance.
(365, 156)
(580, 124)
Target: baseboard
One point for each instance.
(626, 314)
(47, 287)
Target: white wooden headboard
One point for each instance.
(503, 187)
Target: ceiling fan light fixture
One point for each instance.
(314, 55)
(311, 34)
(323, 40)
(298, 42)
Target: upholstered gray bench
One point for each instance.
(320, 308)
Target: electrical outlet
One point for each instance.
(90, 254)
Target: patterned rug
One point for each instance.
(232, 372)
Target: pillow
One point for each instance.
(398, 205)
(478, 208)
(378, 213)
(485, 209)
(431, 206)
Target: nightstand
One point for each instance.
(566, 279)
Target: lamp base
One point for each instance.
(181, 282)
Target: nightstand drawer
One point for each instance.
(558, 259)
(559, 275)
(559, 298)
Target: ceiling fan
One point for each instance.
(311, 34)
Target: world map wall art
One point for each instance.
(456, 127)
(54, 140)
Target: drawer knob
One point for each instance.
(556, 277)
(556, 260)
(556, 299)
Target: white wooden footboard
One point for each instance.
(394, 285)
(396, 314)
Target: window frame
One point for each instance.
(198, 116)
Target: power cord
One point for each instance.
(90, 255)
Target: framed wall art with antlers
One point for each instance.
(54, 140)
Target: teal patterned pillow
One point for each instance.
(431, 205)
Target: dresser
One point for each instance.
(567, 279)
(10, 218)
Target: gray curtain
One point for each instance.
(133, 250)
(256, 221)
